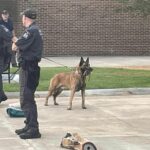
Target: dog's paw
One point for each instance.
(56, 104)
(45, 104)
(83, 107)
(69, 108)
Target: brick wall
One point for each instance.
(9, 5)
(88, 27)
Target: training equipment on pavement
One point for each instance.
(76, 142)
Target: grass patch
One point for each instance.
(101, 78)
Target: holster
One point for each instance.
(33, 73)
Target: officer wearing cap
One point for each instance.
(30, 46)
(5, 37)
(7, 22)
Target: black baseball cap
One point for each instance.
(5, 12)
(30, 13)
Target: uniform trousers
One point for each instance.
(29, 79)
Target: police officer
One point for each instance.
(30, 46)
(5, 37)
(7, 22)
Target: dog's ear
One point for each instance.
(81, 61)
(87, 61)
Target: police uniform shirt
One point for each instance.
(8, 24)
(5, 36)
(30, 44)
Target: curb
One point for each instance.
(93, 92)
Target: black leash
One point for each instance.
(58, 63)
(13, 74)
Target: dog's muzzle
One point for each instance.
(87, 71)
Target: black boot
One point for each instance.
(30, 134)
(20, 131)
(3, 98)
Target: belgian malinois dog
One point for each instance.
(75, 81)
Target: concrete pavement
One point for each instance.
(110, 122)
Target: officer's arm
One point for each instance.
(25, 41)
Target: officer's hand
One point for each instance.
(14, 47)
(14, 39)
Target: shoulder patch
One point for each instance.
(26, 35)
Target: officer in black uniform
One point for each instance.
(8, 23)
(5, 37)
(30, 46)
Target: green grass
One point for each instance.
(101, 78)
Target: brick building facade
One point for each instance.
(85, 27)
